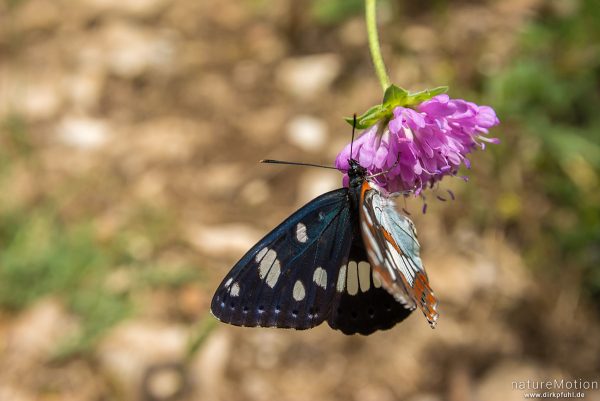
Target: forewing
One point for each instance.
(362, 305)
(392, 246)
(288, 278)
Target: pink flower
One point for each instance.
(419, 147)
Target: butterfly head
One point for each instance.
(356, 173)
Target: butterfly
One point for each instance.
(348, 257)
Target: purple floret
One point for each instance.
(420, 147)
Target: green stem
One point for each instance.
(371, 19)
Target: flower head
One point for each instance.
(420, 146)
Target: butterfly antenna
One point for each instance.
(271, 161)
(353, 129)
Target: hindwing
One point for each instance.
(391, 242)
(363, 306)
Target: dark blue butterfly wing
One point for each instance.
(288, 279)
(363, 306)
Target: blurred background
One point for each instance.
(130, 132)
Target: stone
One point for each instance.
(37, 334)
(256, 192)
(131, 350)
(129, 51)
(308, 76)
(83, 132)
(307, 132)
(34, 96)
(210, 363)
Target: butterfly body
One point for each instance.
(333, 259)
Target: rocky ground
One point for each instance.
(143, 121)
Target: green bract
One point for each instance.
(393, 97)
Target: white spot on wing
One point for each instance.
(274, 273)
(261, 254)
(352, 283)
(268, 257)
(235, 290)
(341, 283)
(301, 235)
(364, 276)
(299, 293)
(269, 268)
(376, 280)
(320, 277)
(228, 282)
